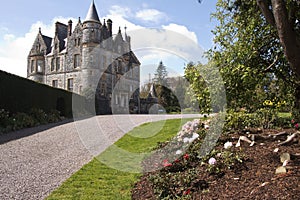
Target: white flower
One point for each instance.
(191, 140)
(212, 161)
(178, 152)
(185, 140)
(195, 135)
(228, 145)
(206, 126)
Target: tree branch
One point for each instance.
(271, 65)
(264, 7)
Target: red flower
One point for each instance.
(187, 192)
(166, 163)
(186, 156)
(297, 126)
(177, 161)
(293, 121)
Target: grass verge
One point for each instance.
(96, 180)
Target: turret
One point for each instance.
(91, 26)
(91, 38)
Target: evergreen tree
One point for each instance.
(161, 74)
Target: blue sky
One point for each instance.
(20, 20)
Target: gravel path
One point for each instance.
(35, 161)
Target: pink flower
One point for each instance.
(166, 163)
(212, 161)
(293, 121)
(297, 126)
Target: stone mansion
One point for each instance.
(88, 56)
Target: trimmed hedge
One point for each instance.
(19, 94)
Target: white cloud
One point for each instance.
(151, 15)
(9, 37)
(182, 30)
(171, 40)
(120, 11)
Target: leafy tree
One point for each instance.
(206, 87)
(249, 55)
(281, 18)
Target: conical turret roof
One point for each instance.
(92, 14)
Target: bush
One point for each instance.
(241, 120)
(39, 115)
(22, 120)
(12, 122)
(53, 116)
(262, 118)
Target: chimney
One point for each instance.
(70, 28)
(109, 26)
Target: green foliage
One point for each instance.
(12, 122)
(160, 76)
(262, 118)
(241, 120)
(167, 99)
(249, 56)
(206, 87)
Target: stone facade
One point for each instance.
(88, 57)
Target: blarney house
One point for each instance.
(86, 57)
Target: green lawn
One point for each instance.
(96, 180)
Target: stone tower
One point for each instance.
(91, 34)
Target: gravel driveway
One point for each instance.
(35, 161)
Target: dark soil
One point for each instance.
(254, 178)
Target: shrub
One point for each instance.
(53, 116)
(22, 120)
(39, 115)
(241, 120)
(12, 122)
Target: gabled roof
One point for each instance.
(48, 42)
(92, 14)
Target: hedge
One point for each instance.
(19, 94)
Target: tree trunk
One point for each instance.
(287, 35)
(276, 15)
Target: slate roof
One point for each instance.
(92, 14)
(48, 41)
